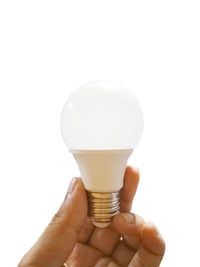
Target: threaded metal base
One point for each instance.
(102, 207)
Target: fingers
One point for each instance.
(142, 238)
(104, 239)
(59, 238)
(86, 231)
(152, 239)
(130, 226)
(131, 180)
(151, 250)
(83, 256)
(122, 254)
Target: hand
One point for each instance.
(72, 239)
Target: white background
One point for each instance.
(49, 48)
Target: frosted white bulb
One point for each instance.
(101, 124)
(102, 115)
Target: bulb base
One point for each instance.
(102, 206)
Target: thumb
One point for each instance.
(57, 241)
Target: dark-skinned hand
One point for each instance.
(72, 240)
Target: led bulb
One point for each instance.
(102, 123)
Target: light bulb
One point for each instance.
(101, 124)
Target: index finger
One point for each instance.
(127, 193)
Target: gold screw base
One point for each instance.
(102, 207)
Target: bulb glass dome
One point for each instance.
(101, 116)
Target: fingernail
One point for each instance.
(155, 228)
(152, 225)
(136, 169)
(72, 186)
(130, 218)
